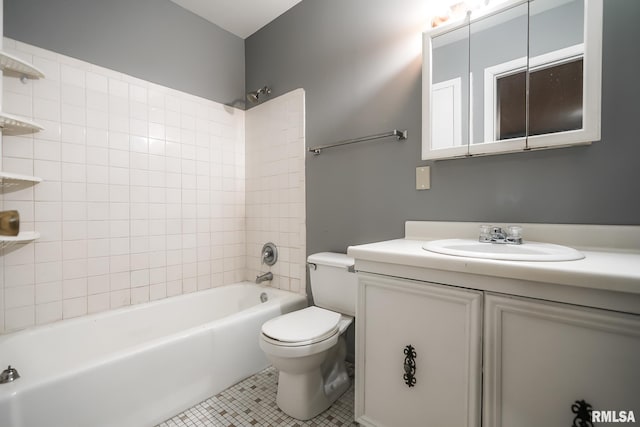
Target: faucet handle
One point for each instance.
(514, 234)
(485, 233)
(269, 254)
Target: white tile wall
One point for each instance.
(275, 181)
(143, 198)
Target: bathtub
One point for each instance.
(139, 365)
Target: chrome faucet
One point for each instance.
(264, 277)
(498, 235)
(9, 375)
(269, 254)
(492, 234)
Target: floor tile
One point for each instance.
(252, 402)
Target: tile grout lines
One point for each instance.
(252, 402)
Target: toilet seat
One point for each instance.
(303, 327)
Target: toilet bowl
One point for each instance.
(308, 346)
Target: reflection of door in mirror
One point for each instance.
(450, 89)
(446, 125)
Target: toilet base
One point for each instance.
(303, 395)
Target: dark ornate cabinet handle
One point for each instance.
(409, 366)
(583, 414)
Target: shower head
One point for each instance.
(254, 96)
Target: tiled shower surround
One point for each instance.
(275, 184)
(143, 195)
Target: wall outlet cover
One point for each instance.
(423, 178)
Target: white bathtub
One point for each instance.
(138, 365)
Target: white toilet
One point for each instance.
(307, 346)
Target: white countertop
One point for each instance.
(612, 269)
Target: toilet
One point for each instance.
(308, 346)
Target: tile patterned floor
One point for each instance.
(252, 403)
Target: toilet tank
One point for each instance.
(333, 282)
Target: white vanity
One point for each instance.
(446, 340)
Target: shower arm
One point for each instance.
(254, 96)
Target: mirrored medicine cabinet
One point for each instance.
(515, 76)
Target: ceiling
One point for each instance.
(240, 17)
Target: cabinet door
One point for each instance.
(541, 357)
(443, 325)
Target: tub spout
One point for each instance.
(264, 277)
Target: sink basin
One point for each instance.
(529, 251)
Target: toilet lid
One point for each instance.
(308, 324)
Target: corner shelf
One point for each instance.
(25, 236)
(9, 181)
(14, 64)
(16, 125)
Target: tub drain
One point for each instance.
(264, 297)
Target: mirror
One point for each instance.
(450, 90)
(516, 76)
(498, 63)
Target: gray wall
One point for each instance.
(154, 40)
(358, 64)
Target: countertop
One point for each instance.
(612, 269)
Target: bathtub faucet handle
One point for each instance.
(269, 254)
(9, 375)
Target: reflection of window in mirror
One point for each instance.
(555, 100)
(511, 114)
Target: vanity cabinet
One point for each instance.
(529, 361)
(541, 357)
(418, 350)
